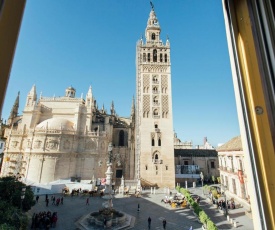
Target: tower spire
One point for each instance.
(133, 106)
(113, 108)
(14, 110)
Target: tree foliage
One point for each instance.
(11, 191)
(11, 204)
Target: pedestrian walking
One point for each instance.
(57, 201)
(149, 222)
(53, 200)
(105, 223)
(87, 201)
(61, 200)
(47, 202)
(138, 207)
(46, 197)
(37, 198)
(164, 223)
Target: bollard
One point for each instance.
(235, 224)
(231, 221)
(154, 190)
(151, 190)
(228, 218)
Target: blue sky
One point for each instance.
(80, 43)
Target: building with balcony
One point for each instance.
(189, 163)
(232, 171)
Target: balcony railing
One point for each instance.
(157, 161)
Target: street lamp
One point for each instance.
(23, 191)
(224, 188)
(202, 178)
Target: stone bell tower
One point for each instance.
(154, 120)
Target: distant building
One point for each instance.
(189, 163)
(232, 170)
(206, 145)
(182, 145)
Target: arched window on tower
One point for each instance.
(159, 142)
(165, 58)
(121, 138)
(155, 101)
(160, 57)
(148, 57)
(153, 36)
(156, 113)
(144, 57)
(155, 55)
(153, 141)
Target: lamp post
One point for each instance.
(224, 188)
(23, 191)
(202, 178)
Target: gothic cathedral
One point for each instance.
(154, 120)
(67, 136)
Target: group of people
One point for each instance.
(44, 220)
(150, 220)
(176, 200)
(55, 201)
(230, 205)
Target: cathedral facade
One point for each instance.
(62, 137)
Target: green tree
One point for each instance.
(214, 179)
(11, 217)
(10, 191)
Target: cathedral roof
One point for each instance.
(56, 123)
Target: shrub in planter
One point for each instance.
(211, 225)
(203, 217)
(197, 208)
(215, 193)
(178, 188)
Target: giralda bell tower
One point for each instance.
(154, 120)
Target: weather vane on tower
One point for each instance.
(152, 5)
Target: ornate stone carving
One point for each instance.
(52, 144)
(67, 144)
(37, 144)
(14, 144)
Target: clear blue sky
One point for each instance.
(80, 43)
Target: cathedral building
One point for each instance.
(154, 118)
(63, 137)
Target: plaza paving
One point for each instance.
(150, 205)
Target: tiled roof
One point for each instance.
(195, 152)
(235, 144)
